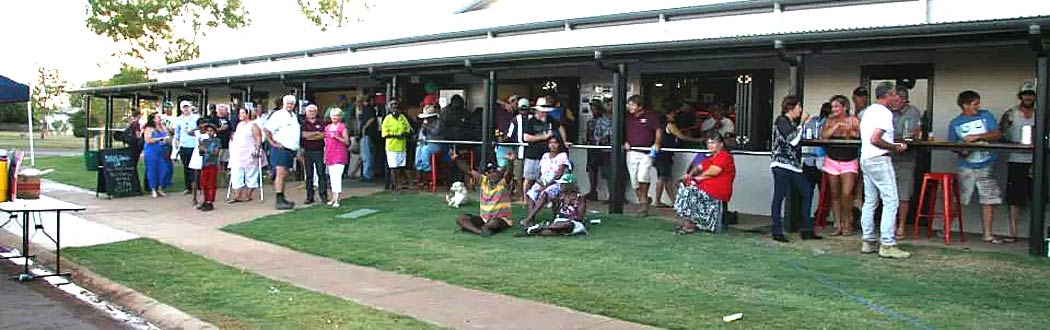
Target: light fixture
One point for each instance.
(659, 85)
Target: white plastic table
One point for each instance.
(30, 206)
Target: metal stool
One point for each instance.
(950, 195)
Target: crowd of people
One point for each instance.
(884, 166)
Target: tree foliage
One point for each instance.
(170, 27)
(49, 95)
(332, 13)
(127, 75)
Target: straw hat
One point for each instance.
(429, 111)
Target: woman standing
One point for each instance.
(336, 143)
(705, 188)
(156, 149)
(245, 157)
(787, 167)
(674, 137)
(841, 164)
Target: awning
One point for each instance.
(13, 92)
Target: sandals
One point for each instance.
(1009, 239)
(993, 240)
(837, 232)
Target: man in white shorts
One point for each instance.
(396, 130)
(643, 130)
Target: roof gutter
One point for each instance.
(630, 52)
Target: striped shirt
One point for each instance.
(495, 201)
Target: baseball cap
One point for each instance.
(1026, 88)
(184, 104)
(523, 103)
(168, 104)
(489, 167)
(567, 178)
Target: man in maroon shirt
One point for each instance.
(643, 130)
(312, 149)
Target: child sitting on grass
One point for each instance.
(494, 197)
(569, 208)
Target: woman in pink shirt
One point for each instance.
(336, 145)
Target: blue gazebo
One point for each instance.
(14, 92)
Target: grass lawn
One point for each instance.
(70, 170)
(19, 140)
(224, 296)
(635, 269)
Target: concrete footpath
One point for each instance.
(172, 220)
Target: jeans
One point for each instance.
(187, 173)
(423, 152)
(785, 181)
(879, 182)
(313, 162)
(366, 158)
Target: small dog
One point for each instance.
(458, 196)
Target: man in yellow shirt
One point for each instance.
(396, 131)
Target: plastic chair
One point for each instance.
(950, 195)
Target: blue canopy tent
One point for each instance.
(14, 92)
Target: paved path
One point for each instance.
(38, 305)
(172, 220)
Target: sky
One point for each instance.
(60, 39)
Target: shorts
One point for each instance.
(396, 159)
(1018, 184)
(578, 228)
(905, 171)
(597, 159)
(531, 169)
(834, 167)
(519, 168)
(638, 167)
(536, 189)
(478, 221)
(224, 155)
(241, 178)
(981, 180)
(282, 157)
(664, 163)
(501, 155)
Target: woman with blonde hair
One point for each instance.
(336, 144)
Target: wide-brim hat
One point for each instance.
(429, 111)
(542, 105)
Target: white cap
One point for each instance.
(184, 104)
(289, 99)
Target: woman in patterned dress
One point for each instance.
(705, 188)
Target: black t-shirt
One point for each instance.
(224, 136)
(534, 126)
(363, 117)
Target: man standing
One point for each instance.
(185, 126)
(537, 130)
(282, 132)
(599, 133)
(717, 123)
(396, 131)
(976, 125)
(1019, 169)
(907, 124)
(312, 144)
(876, 132)
(643, 130)
(369, 134)
(225, 125)
(516, 134)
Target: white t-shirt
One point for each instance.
(876, 116)
(284, 128)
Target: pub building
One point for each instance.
(738, 56)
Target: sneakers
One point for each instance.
(869, 247)
(808, 235)
(284, 205)
(893, 252)
(207, 207)
(780, 238)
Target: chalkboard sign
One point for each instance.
(119, 176)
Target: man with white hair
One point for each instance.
(283, 133)
(186, 140)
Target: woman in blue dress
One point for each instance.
(156, 149)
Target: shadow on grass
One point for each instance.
(635, 269)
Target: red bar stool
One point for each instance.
(820, 219)
(950, 196)
(434, 168)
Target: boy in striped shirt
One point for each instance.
(494, 197)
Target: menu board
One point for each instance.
(119, 176)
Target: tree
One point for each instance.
(128, 75)
(329, 13)
(49, 95)
(168, 27)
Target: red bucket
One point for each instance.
(28, 187)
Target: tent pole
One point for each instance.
(29, 115)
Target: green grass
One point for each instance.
(19, 140)
(70, 170)
(634, 269)
(224, 296)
